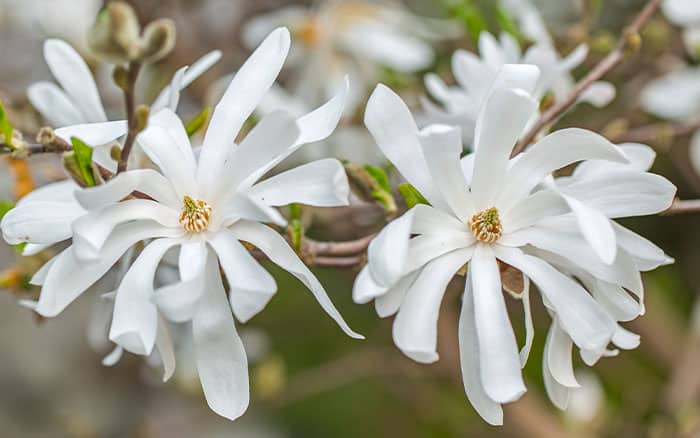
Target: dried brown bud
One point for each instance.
(46, 136)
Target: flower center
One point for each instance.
(486, 225)
(195, 214)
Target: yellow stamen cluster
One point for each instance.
(486, 225)
(195, 214)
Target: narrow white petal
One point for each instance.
(166, 351)
(390, 302)
(221, 358)
(53, 104)
(557, 393)
(94, 134)
(147, 181)
(365, 288)
(558, 356)
(498, 350)
(280, 253)
(529, 326)
(40, 222)
(159, 144)
(596, 228)
(168, 120)
(415, 326)
(178, 301)
(191, 74)
(488, 409)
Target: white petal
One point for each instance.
(390, 302)
(168, 120)
(166, 351)
(673, 96)
(532, 209)
(249, 85)
(365, 288)
(682, 12)
(598, 94)
(580, 316)
(517, 76)
(243, 206)
(146, 181)
(251, 286)
(498, 350)
(31, 249)
(387, 252)
(596, 228)
(93, 229)
(113, 357)
(270, 138)
(529, 327)
(558, 356)
(469, 361)
(553, 152)
(640, 157)
(70, 276)
(625, 339)
(135, 319)
(178, 301)
(442, 146)
(191, 74)
(94, 134)
(321, 183)
(40, 222)
(279, 252)
(491, 51)
(73, 74)
(53, 104)
(221, 359)
(501, 122)
(391, 124)
(557, 393)
(158, 143)
(415, 326)
(647, 255)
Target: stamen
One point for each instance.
(486, 225)
(195, 214)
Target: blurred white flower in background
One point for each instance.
(489, 210)
(685, 13)
(475, 75)
(335, 38)
(676, 96)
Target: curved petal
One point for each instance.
(558, 356)
(135, 318)
(387, 252)
(40, 222)
(53, 104)
(442, 146)
(390, 302)
(147, 181)
(553, 152)
(557, 393)
(219, 352)
(94, 134)
(166, 351)
(365, 289)
(588, 325)
(529, 327)
(596, 228)
(391, 124)
(178, 301)
(251, 286)
(246, 90)
(532, 209)
(73, 74)
(415, 326)
(494, 141)
(70, 276)
(91, 230)
(168, 120)
(469, 356)
(198, 68)
(321, 183)
(498, 351)
(157, 142)
(279, 252)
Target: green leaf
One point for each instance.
(20, 247)
(411, 195)
(5, 126)
(198, 122)
(379, 176)
(5, 206)
(470, 16)
(507, 24)
(83, 157)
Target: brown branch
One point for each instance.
(338, 248)
(629, 41)
(683, 207)
(664, 132)
(130, 102)
(36, 148)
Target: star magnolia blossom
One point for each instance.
(686, 13)
(355, 37)
(489, 209)
(676, 96)
(205, 207)
(77, 102)
(460, 104)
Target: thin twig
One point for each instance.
(683, 207)
(338, 248)
(656, 132)
(35, 148)
(629, 40)
(130, 102)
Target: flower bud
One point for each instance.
(114, 37)
(158, 40)
(120, 76)
(142, 112)
(46, 136)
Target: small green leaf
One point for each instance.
(5, 206)
(20, 247)
(507, 24)
(379, 176)
(198, 122)
(411, 195)
(83, 157)
(5, 126)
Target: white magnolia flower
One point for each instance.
(356, 37)
(676, 96)
(488, 209)
(685, 13)
(204, 207)
(459, 105)
(77, 101)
